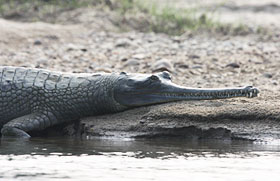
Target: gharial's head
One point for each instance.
(133, 90)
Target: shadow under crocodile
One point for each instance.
(248, 119)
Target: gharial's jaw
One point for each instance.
(177, 93)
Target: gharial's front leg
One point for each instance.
(20, 126)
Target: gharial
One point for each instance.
(35, 99)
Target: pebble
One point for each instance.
(71, 47)
(215, 59)
(194, 56)
(267, 75)
(274, 82)
(197, 67)
(123, 42)
(123, 58)
(37, 42)
(52, 37)
(42, 62)
(233, 65)
(182, 65)
(139, 56)
(131, 62)
(162, 65)
(103, 69)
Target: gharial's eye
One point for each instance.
(154, 77)
(166, 75)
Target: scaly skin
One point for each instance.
(34, 99)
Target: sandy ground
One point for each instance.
(194, 61)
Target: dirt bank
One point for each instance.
(231, 119)
(194, 61)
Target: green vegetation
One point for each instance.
(174, 21)
(142, 15)
(49, 5)
(165, 19)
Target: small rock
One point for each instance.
(131, 62)
(214, 59)
(103, 69)
(123, 58)
(37, 42)
(71, 47)
(244, 47)
(42, 62)
(92, 66)
(182, 65)
(52, 37)
(176, 39)
(162, 65)
(233, 65)
(194, 56)
(38, 66)
(139, 56)
(267, 75)
(197, 67)
(124, 42)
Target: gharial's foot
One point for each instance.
(14, 132)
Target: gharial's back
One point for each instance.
(25, 90)
(34, 99)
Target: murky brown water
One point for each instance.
(114, 159)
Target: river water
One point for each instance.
(126, 159)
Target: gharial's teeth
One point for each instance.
(248, 94)
(251, 94)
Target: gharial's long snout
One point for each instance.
(184, 93)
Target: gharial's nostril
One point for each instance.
(154, 77)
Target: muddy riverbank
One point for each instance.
(230, 119)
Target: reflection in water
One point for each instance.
(154, 148)
(159, 159)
